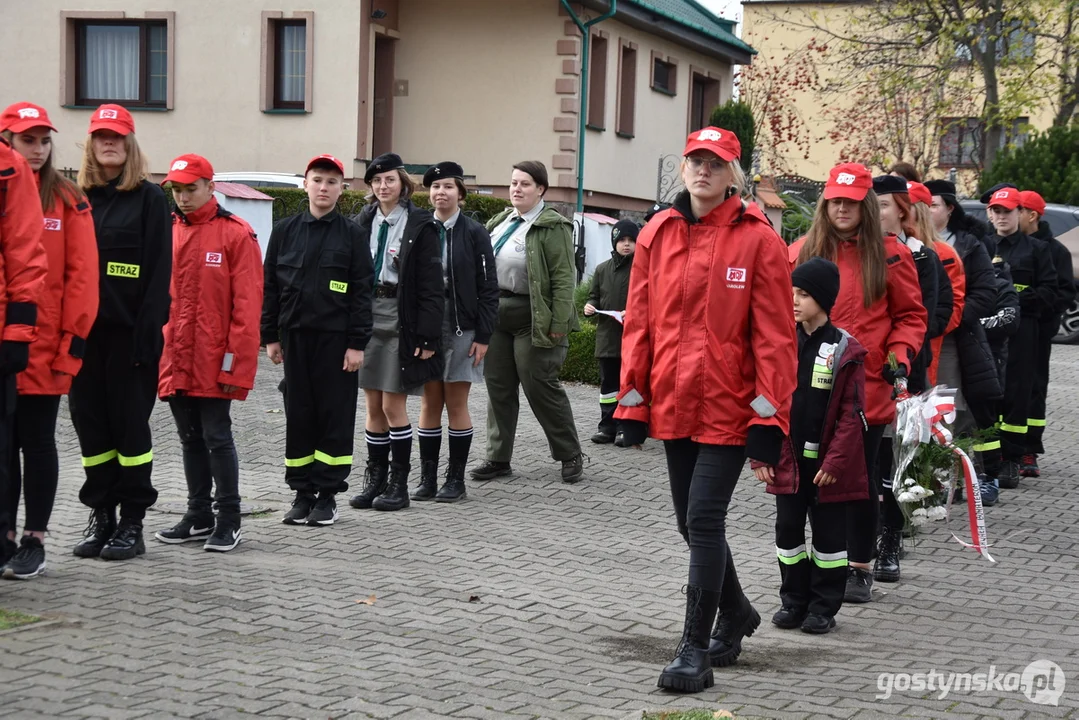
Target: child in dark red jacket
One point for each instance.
(821, 465)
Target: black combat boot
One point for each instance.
(886, 568)
(100, 528)
(691, 670)
(732, 626)
(374, 484)
(428, 481)
(454, 487)
(395, 496)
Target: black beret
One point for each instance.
(940, 187)
(889, 184)
(443, 170)
(381, 164)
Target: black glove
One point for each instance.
(890, 376)
(14, 357)
(634, 432)
(764, 443)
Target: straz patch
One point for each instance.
(52, 224)
(125, 270)
(822, 367)
(338, 286)
(736, 278)
(213, 259)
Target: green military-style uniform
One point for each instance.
(536, 276)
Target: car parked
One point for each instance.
(1064, 223)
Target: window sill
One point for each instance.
(664, 91)
(129, 108)
(627, 136)
(597, 128)
(284, 111)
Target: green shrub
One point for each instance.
(738, 118)
(797, 217)
(289, 201)
(1047, 163)
(581, 365)
(580, 297)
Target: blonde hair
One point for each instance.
(136, 166)
(923, 223)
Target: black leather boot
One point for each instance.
(732, 626)
(395, 496)
(100, 528)
(126, 542)
(454, 487)
(886, 568)
(428, 487)
(374, 484)
(691, 670)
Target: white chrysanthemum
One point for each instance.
(937, 513)
(906, 497)
(909, 482)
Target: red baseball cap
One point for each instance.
(852, 181)
(919, 193)
(326, 159)
(188, 169)
(1007, 198)
(112, 117)
(722, 142)
(23, 116)
(1032, 201)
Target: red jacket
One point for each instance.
(895, 323)
(709, 349)
(67, 307)
(212, 337)
(953, 265)
(22, 257)
(842, 445)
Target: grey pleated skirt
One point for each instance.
(381, 363)
(458, 365)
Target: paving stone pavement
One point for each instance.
(533, 599)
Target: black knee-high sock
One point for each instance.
(430, 442)
(460, 444)
(378, 447)
(401, 444)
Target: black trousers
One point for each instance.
(205, 430)
(111, 401)
(320, 416)
(1036, 420)
(7, 511)
(702, 479)
(1018, 389)
(862, 515)
(610, 375)
(891, 516)
(36, 476)
(812, 580)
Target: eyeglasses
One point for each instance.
(696, 162)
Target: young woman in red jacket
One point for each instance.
(66, 311)
(880, 304)
(211, 350)
(709, 367)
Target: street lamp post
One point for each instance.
(582, 116)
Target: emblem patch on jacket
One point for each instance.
(52, 224)
(822, 367)
(213, 259)
(736, 278)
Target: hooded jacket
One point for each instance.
(841, 452)
(709, 349)
(22, 256)
(896, 323)
(67, 306)
(212, 337)
(610, 289)
(1062, 263)
(1033, 274)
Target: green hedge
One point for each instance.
(581, 364)
(289, 201)
(1047, 163)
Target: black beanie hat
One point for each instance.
(624, 229)
(819, 278)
